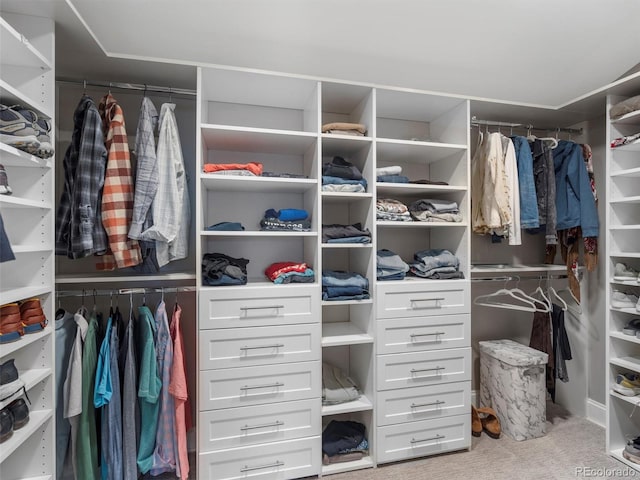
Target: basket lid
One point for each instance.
(513, 353)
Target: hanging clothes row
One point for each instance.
(540, 185)
(122, 404)
(126, 221)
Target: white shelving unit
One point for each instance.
(622, 227)
(27, 79)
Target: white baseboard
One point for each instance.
(474, 398)
(597, 413)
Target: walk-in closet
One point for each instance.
(255, 240)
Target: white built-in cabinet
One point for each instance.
(261, 346)
(622, 234)
(27, 79)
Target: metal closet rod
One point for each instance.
(491, 123)
(83, 292)
(142, 87)
(519, 277)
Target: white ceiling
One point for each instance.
(543, 52)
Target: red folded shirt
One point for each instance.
(274, 270)
(253, 167)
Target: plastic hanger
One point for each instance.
(540, 305)
(493, 300)
(573, 307)
(554, 296)
(547, 305)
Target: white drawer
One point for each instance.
(227, 307)
(428, 437)
(238, 427)
(427, 333)
(274, 461)
(237, 387)
(419, 299)
(240, 347)
(423, 368)
(423, 403)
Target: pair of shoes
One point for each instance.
(632, 450)
(13, 417)
(22, 129)
(624, 300)
(485, 419)
(623, 273)
(16, 319)
(32, 315)
(632, 328)
(11, 385)
(5, 189)
(627, 384)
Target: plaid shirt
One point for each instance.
(117, 198)
(79, 229)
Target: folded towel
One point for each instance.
(356, 127)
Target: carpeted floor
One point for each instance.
(571, 443)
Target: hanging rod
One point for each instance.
(83, 292)
(142, 87)
(518, 278)
(491, 123)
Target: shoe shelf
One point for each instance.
(629, 147)
(629, 172)
(630, 363)
(7, 349)
(626, 338)
(10, 95)
(18, 51)
(633, 400)
(628, 283)
(629, 310)
(617, 454)
(631, 118)
(364, 462)
(37, 418)
(625, 254)
(627, 200)
(30, 378)
(14, 201)
(21, 249)
(13, 157)
(15, 294)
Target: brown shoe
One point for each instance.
(33, 318)
(476, 424)
(11, 328)
(490, 422)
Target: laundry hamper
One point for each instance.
(512, 381)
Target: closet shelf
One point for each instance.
(630, 172)
(625, 227)
(359, 405)
(407, 151)
(364, 462)
(631, 118)
(345, 302)
(257, 233)
(628, 283)
(12, 96)
(18, 51)
(31, 248)
(163, 279)
(482, 269)
(34, 376)
(617, 454)
(626, 338)
(13, 157)
(630, 310)
(625, 254)
(7, 349)
(347, 245)
(391, 223)
(343, 333)
(230, 183)
(17, 202)
(387, 188)
(342, 145)
(257, 140)
(629, 147)
(632, 400)
(16, 294)
(342, 197)
(36, 419)
(626, 200)
(629, 363)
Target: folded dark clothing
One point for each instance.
(225, 226)
(337, 231)
(341, 435)
(447, 276)
(277, 224)
(392, 178)
(224, 280)
(434, 205)
(217, 265)
(284, 175)
(332, 180)
(339, 167)
(427, 182)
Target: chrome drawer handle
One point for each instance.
(275, 345)
(416, 300)
(421, 440)
(270, 385)
(277, 423)
(435, 369)
(430, 404)
(247, 468)
(268, 307)
(414, 335)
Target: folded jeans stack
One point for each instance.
(389, 265)
(343, 441)
(436, 264)
(391, 174)
(339, 175)
(219, 269)
(435, 210)
(337, 233)
(340, 285)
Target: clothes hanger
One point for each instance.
(493, 300)
(573, 307)
(554, 295)
(545, 300)
(540, 305)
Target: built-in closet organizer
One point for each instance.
(259, 351)
(423, 354)
(623, 229)
(27, 79)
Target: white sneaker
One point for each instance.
(623, 300)
(623, 273)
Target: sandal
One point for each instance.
(476, 423)
(490, 422)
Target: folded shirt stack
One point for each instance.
(225, 227)
(337, 386)
(286, 219)
(339, 285)
(389, 265)
(435, 210)
(436, 264)
(219, 269)
(343, 440)
(337, 233)
(249, 169)
(289, 272)
(345, 128)
(392, 210)
(391, 174)
(339, 175)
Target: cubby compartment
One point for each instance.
(258, 101)
(357, 362)
(365, 418)
(30, 270)
(624, 215)
(353, 150)
(623, 425)
(345, 103)
(624, 189)
(347, 324)
(624, 240)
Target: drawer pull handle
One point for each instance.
(277, 423)
(435, 369)
(269, 385)
(247, 468)
(275, 345)
(268, 307)
(436, 300)
(434, 334)
(430, 404)
(421, 440)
